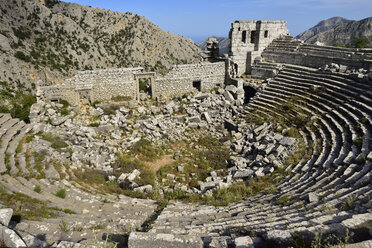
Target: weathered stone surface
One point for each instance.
(220, 242)
(67, 244)
(313, 197)
(279, 237)
(228, 96)
(243, 174)
(364, 244)
(5, 216)
(10, 238)
(244, 242)
(195, 119)
(152, 240)
(357, 220)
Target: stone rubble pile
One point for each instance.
(357, 74)
(256, 151)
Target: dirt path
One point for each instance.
(157, 164)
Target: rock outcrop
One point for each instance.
(322, 26)
(342, 33)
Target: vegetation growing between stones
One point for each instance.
(15, 101)
(322, 240)
(61, 193)
(57, 142)
(27, 208)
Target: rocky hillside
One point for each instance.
(50, 40)
(223, 42)
(342, 33)
(322, 26)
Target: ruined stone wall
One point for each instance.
(249, 39)
(56, 92)
(97, 85)
(106, 84)
(181, 78)
(103, 85)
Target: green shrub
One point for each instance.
(20, 55)
(94, 124)
(19, 103)
(65, 103)
(359, 142)
(61, 193)
(142, 85)
(37, 189)
(126, 164)
(57, 142)
(121, 98)
(111, 110)
(293, 132)
(285, 200)
(22, 33)
(360, 42)
(147, 150)
(32, 209)
(64, 112)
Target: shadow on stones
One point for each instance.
(120, 239)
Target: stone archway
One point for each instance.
(146, 76)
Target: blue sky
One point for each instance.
(199, 19)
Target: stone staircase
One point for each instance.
(82, 215)
(338, 170)
(76, 216)
(11, 133)
(289, 50)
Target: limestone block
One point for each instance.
(244, 242)
(5, 216)
(280, 237)
(228, 96)
(313, 197)
(10, 238)
(243, 174)
(206, 117)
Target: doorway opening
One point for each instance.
(197, 85)
(244, 36)
(253, 37)
(144, 85)
(249, 92)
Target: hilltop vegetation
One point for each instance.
(50, 40)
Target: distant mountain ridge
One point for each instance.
(322, 26)
(224, 44)
(338, 30)
(50, 40)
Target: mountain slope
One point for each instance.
(50, 40)
(322, 26)
(224, 44)
(344, 33)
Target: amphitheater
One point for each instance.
(325, 92)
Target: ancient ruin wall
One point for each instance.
(249, 39)
(186, 78)
(106, 84)
(97, 85)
